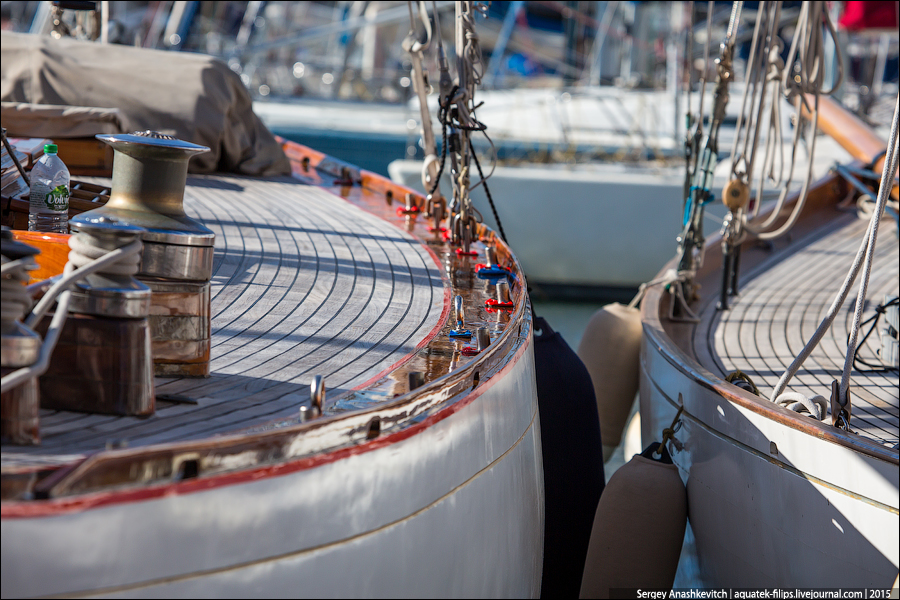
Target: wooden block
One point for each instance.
(86, 156)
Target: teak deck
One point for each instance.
(304, 284)
(781, 303)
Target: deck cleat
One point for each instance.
(411, 207)
(503, 300)
(459, 315)
(490, 269)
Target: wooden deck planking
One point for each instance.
(303, 284)
(780, 306)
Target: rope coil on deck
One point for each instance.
(16, 300)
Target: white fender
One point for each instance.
(638, 529)
(610, 349)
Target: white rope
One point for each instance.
(890, 165)
(85, 249)
(20, 376)
(863, 256)
(670, 276)
(70, 276)
(16, 300)
(826, 322)
(817, 406)
(750, 82)
(807, 49)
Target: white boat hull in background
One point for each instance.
(597, 226)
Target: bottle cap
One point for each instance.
(50, 149)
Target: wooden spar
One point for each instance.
(852, 133)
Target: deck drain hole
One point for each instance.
(373, 430)
(773, 449)
(475, 380)
(189, 469)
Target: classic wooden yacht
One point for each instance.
(786, 488)
(234, 472)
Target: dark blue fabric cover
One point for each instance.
(573, 460)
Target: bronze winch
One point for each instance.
(148, 182)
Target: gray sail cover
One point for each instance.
(193, 97)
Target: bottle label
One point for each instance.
(57, 199)
(43, 199)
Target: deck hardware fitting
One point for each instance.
(345, 179)
(411, 207)
(840, 413)
(503, 300)
(669, 432)
(482, 338)
(317, 395)
(459, 316)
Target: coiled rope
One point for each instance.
(806, 57)
(85, 249)
(16, 301)
(60, 290)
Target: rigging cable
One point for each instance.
(865, 252)
(807, 47)
(890, 166)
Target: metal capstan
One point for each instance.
(148, 183)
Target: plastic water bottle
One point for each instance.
(49, 200)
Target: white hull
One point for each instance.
(455, 509)
(770, 505)
(566, 225)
